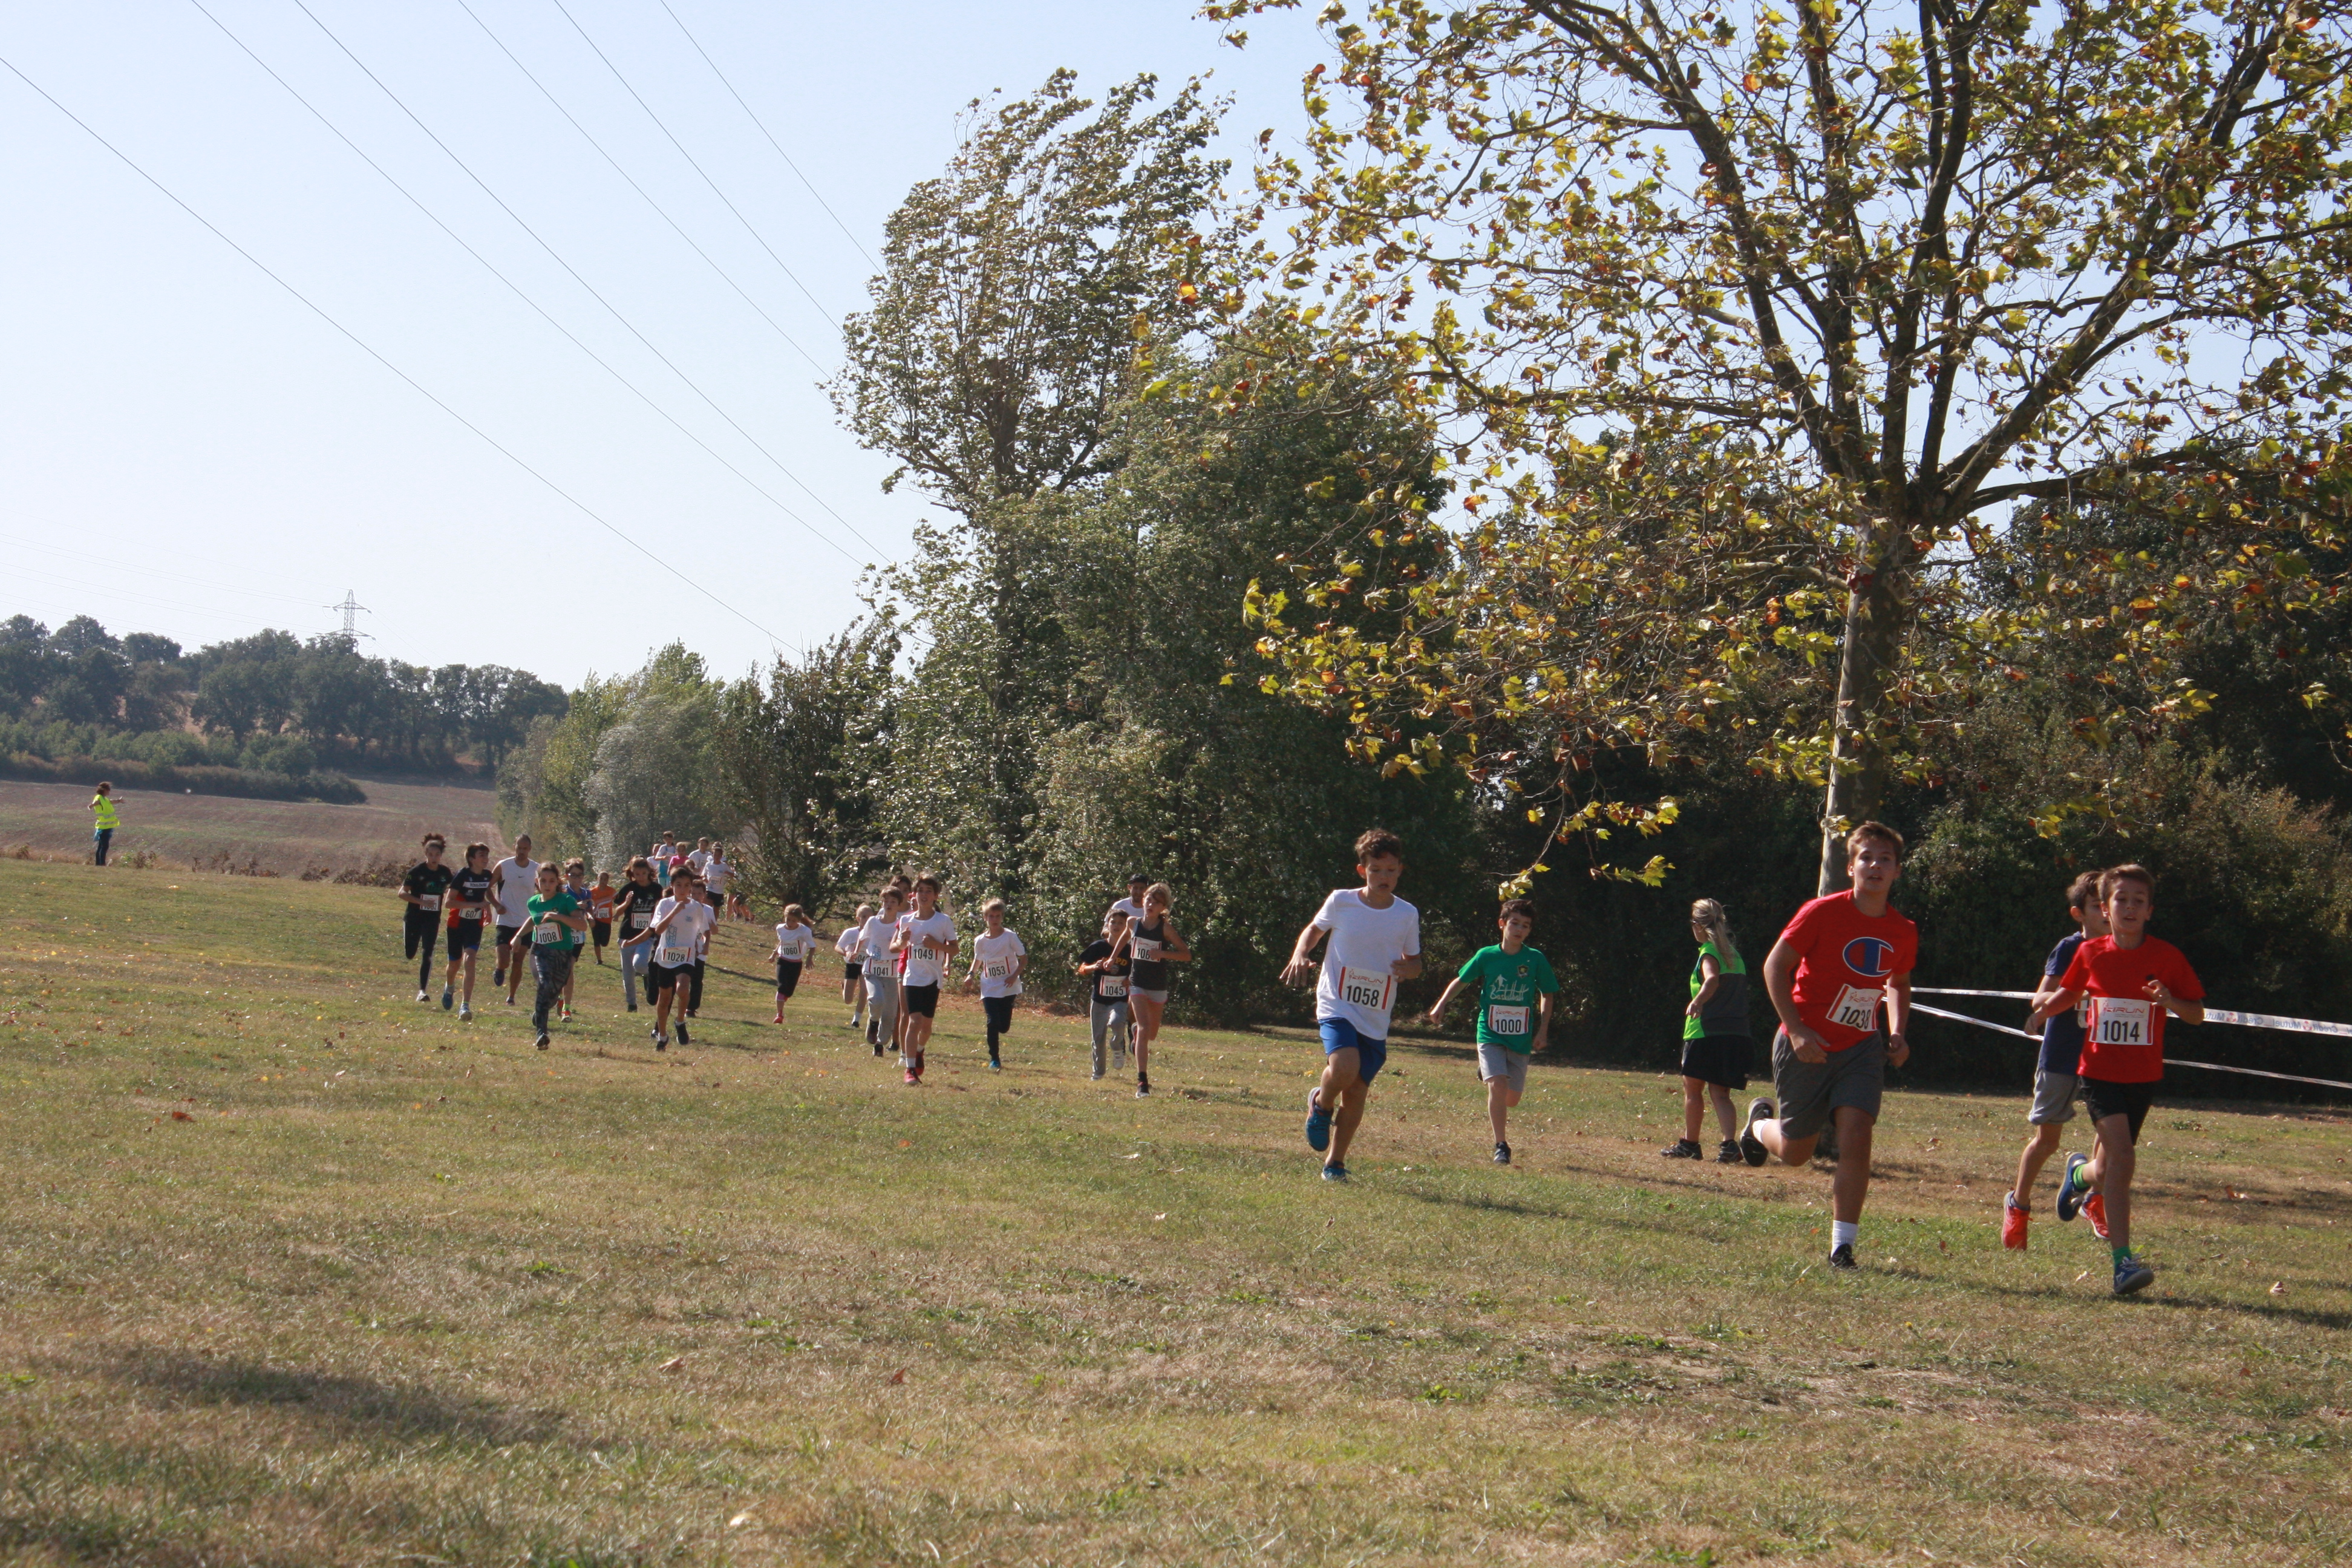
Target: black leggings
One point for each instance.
(1000, 1018)
(694, 989)
(420, 929)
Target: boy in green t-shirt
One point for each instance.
(553, 936)
(1516, 986)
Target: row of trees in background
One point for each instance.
(271, 703)
(1829, 431)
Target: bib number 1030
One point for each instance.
(1855, 1008)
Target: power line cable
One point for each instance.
(724, 275)
(682, 152)
(361, 343)
(519, 293)
(771, 135)
(575, 272)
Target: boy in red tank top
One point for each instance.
(1841, 960)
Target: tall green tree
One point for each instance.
(803, 751)
(1896, 266)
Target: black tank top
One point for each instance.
(1150, 973)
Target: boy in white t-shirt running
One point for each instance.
(926, 935)
(795, 945)
(1375, 942)
(998, 959)
(851, 945)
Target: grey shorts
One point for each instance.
(1809, 1091)
(1497, 1061)
(1138, 993)
(2053, 1099)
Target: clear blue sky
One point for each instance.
(186, 449)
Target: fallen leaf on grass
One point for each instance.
(2085, 1274)
(897, 1376)
(181, 1116)
(2278, 1286)
(1159, 1216)
(673, 1364)
(739, 1519)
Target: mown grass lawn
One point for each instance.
(296, 1271)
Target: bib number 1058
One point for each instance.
(1374, 989)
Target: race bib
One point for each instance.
(676, 958)
(429, 903)
(1855, 1008)
(995, 969)
(1372, 989)
(2119, 1021)
(547, 933)
(1506, 1020)
(1111, 987)
(473, 914)
(1147, 951)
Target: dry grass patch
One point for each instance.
(398, 1289)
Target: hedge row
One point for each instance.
(128, 774)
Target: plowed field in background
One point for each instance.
(286, 836)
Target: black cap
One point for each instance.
(1138, 876)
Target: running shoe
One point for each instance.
(510, 1000)
(449, 998)
(498, 979)
(1335, 1173)
(1841, 1257)
(1142, 1087)
(565, 1017)
(661, 1042)
(780, 1017)
(421, 996)
(633, 1007)
(1502, 1153)
(2095, 1209)
(1683, 1149)
(682, 1039)
(1728, 1152)
(1751, 1147)
(464, 1014)
(542, 1040)
(2070, 1196)
(911, 1078)
(1093, 1077)
(995, 1065)
(2012, 1223)
(1318, 1124)
(2133, 1275)
(877, 1048)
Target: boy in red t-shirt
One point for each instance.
(1838, 961)
(2133, 980)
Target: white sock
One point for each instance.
(1845, 1233)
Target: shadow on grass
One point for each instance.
(337, 1399)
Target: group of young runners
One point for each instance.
(1838, 979)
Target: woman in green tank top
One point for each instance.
(1715, 1043)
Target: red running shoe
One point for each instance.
(2012, 1223)
(2095, 1209)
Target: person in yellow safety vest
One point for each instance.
(101, 807)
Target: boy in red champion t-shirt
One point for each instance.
(1838, 961)
(2133, 980)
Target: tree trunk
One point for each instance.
(1876, 616)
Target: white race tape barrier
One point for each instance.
(2212, 1015)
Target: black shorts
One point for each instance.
(788, 976)
(659, 979)
(1719, 1059)
(507, 935)
(465, 937)
(2103, 1100)
(852, 971)
(601, 930)
(923, 999)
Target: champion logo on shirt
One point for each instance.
(1869, 956)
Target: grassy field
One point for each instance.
(296, 1271)
(288, 837)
